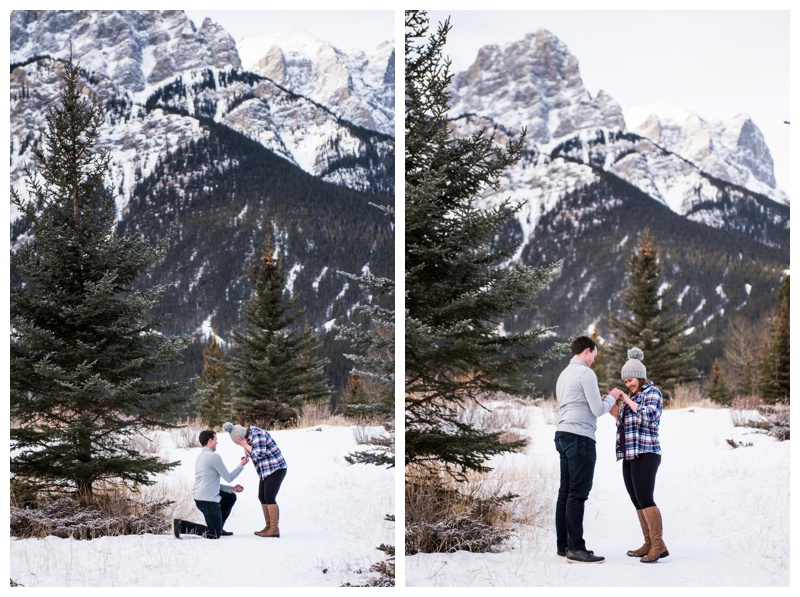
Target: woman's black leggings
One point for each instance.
(268, 488)
(639, 475)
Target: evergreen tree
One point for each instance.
(646, 322)
(87, 357)
(214, 389)
(774, 370)
(370, 389)
(717, 388)
(371, 385)
(273, 364)
(459, 288)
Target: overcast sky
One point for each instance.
(345, 29)
(714, 63)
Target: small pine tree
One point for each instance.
(646, 322)
(774, 369)
(717, 388)
(273, 367)
(86, 357)
(459, 288)
(214, 390)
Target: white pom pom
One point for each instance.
(635, 353)
(227, 427)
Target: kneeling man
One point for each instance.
(214, 500)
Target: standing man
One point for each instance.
(579, 406)
(213, 499)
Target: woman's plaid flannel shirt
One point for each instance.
(266, 455)
(640, 428)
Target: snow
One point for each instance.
(725, 512)
(332, 520)
(291, 275)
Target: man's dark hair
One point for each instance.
(205, 436)
(581, 343)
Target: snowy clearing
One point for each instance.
(332, 521)
(725, 510)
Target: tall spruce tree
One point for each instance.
(774, 370)
(85, 354)
(214, 389)
(459, 288)
(646, 322)
(274, 369)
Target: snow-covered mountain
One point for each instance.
(136, 49)
(592, 178)
(732, 150)
(675, 157)
(164, 74)
(358, 85)
(216, 156)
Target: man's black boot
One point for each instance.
(581, 556)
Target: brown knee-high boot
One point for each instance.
(274, 516)
(266, 520)
(644, 549)
(657, 548)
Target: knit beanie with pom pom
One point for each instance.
(634, 366)
(234, 430)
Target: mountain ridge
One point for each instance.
(582, 171)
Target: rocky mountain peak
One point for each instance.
(133, 48)
(534, 82)
(356, 85)
(732, 149)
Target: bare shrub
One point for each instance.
(688, 396)
(441, 518)
(775, 420)
(549, 408)
(533, 486)
(744, 411)
(370, 436)
(188, 435)
(153, 444)
(746, 403)
(750, 411)
(106, 514)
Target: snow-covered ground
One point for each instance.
(725, 512)
(332, 521)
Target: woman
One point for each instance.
(271, 468)
(638, 448)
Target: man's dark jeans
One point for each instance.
(215, 513)
(578, 456)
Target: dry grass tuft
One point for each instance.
(317, 413)
(689, 396)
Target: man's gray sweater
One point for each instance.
(579, 400)
(207, 471)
